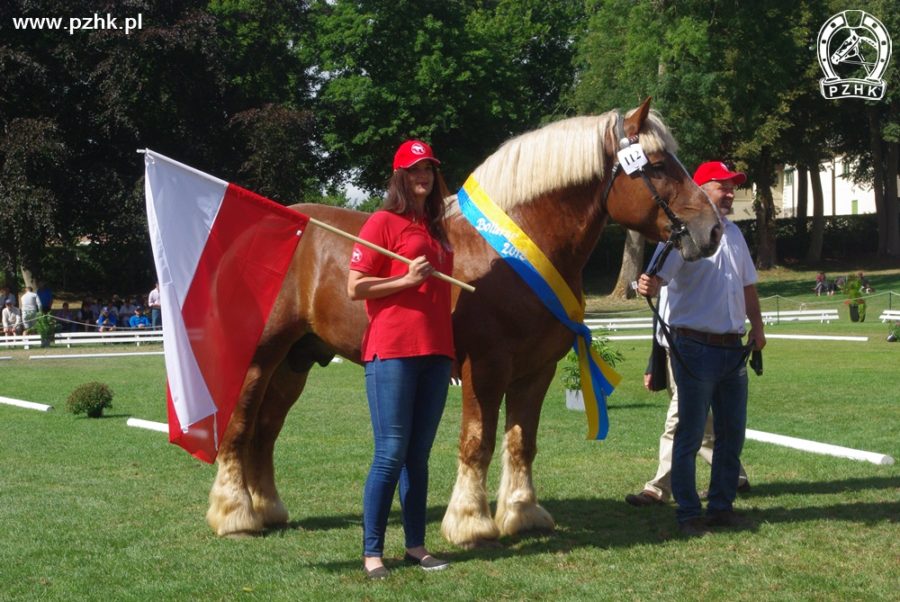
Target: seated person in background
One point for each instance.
(840, 283)
(107, 321)
(67, 318)
(126, 309)
(12, 318)
(821, 284)
(86, 314)
(139, 320)
(864, 286)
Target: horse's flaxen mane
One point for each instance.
(564, 153)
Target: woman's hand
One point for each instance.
(419, 271)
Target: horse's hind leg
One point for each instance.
(283, 390)
(517, 507)
(230, 503)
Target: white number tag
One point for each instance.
(632, 158)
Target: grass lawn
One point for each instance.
(95, 510)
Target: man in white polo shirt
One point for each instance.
(708, 301)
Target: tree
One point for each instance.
(463, 75)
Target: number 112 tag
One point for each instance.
(632, 158)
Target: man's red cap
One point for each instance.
(716, 171)
(411, 152)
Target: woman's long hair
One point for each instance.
(399, 200)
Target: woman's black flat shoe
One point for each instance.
(377, 574)
(428, 562)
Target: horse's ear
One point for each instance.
(635, 122)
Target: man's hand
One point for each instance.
(648, 286)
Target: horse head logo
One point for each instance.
(857, 45)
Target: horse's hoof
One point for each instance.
(520, 518)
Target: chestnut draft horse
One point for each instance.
(559, 185)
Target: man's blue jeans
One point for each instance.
(719, 381)
(406, 401)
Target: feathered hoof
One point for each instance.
(272, 512)
(522, 517)
(229, 515)
(468, 530)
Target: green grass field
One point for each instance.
(95, 510)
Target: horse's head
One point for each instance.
(660, 200)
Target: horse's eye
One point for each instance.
(660, 165)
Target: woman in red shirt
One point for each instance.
(407, 348)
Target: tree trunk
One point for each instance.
(817, 234)
(765, 213)
(891, 202)
(878, 179)
(802, 196)
(632, 262)
(28, 277)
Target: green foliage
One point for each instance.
(570, 372)
(46, 325)
(462, 75)
(90, 398)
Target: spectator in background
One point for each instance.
(106, 322)
(46, 296)
(153, 302)
(31, 308)
(821, 284)
(12, 318)
(86, 314)
(139, 320)
(864, 286)
(6, 294)
(67, 318)
(126, 309)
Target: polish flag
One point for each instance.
(221, 254)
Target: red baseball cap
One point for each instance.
(716, 171)
(411, 152)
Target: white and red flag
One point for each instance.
(221, 254)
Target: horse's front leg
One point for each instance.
(517, 507)
(468, 521)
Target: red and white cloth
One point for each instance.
(221, 255)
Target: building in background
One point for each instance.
(841, 196)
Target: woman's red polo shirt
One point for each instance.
(415, 321)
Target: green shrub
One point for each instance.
(90, 398)
(571, 371)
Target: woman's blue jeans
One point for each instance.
(406, 401)
(719, 381)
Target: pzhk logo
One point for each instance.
(854, 52)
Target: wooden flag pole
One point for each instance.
(391, 254)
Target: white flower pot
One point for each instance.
(574, 400)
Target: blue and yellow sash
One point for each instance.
(598, 379)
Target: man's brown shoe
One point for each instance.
(644, 498)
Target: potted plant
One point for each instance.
(46, 326)
(854, 301)
(894, 332)
(571, 372)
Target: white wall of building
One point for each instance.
(840, 195)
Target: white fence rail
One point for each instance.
(67, 339)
